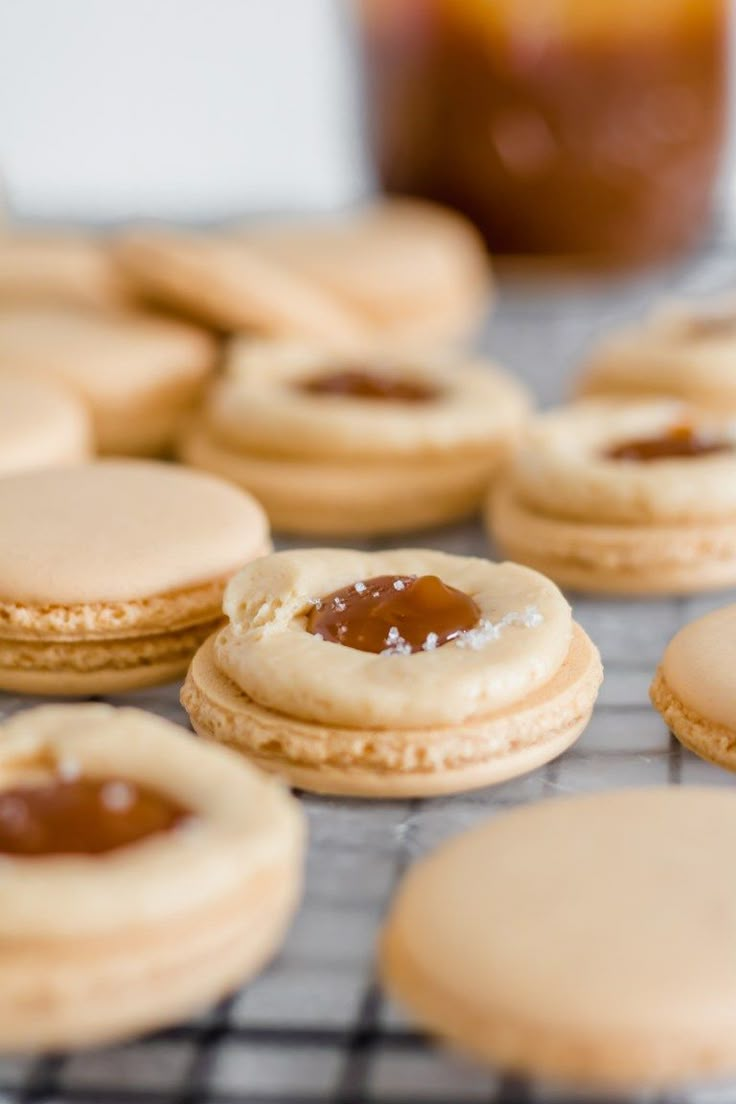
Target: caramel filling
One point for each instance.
(394, 614)
(82, 816)
(680, 442)
(362, 383)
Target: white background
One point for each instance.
(190, 108)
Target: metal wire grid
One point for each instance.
(315, 1026)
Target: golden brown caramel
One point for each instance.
(572, 128)
(680, 442)
(82, 816)
(397, 614)
(363, 383)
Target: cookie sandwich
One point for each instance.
(143, 874)
(623, 498)
(339, 446)
(684, 351)
(694, 687)
(112, 573)
(393, 674)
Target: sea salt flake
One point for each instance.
(487, 631)
(399, 584)
(339, 604)
(318, 636)
(360, 588)
(376, 594)
(430, 643)
(316, 602)
(117, 796)
(393, 635)
(399, 648)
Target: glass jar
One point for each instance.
(585, 129)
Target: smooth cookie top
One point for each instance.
(459, 667)
(118, 530)
(590, 937)
(110, 359)
(628, 462)
(699, 666)
(40, 423)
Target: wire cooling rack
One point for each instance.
(315, 1028)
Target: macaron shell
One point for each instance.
(614, 559)
(120, 530)
(587, 940)
(41, 425)
(137, 374)
(396, 764)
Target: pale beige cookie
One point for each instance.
(629, 498)
(222, 281)
(138, 374)
(144, 874)
(60, 269)
(694, 688)
(42, 424)
(584, 941)
(511, 691)
(413, 270)
(112, 573)
(684, 351)
(292, 423)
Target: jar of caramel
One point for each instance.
(583, 129)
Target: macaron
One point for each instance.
(682, 350)
(587, 942)
(620, 497)
(60, 268)
(694, 687)
(42, 424)
(393, 674)
(144, 875)
(138, 374)
(339, 446)
(112, 573)
(222, 281)
(414, 271)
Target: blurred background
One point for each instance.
(193, 110)
(177, 108)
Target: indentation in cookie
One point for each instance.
(680, 442)
(394, 614)
(67, 814)
(369, 383)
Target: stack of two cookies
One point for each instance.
(143, 874)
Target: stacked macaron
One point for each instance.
(337, 445)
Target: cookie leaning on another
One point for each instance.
(414, 271)
(397, 270)
(144, 874)
(42, 424)
(112, 573)
(340, 446)
(138, 374)
(60, 268)
(393, 674)
(623, 498)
